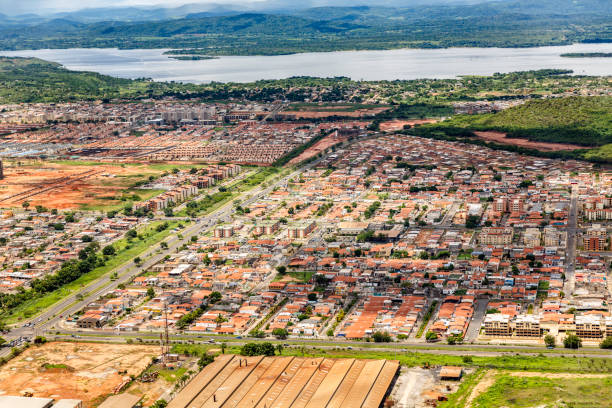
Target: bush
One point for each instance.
(257, 349)
(431, 336)
(381, 337)
(572, 342)
(606, 343)
(108, 250)
(205, 360)
(280, 333)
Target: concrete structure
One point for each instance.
(7, 401)
(283, 382)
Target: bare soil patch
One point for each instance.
(395, 125)
(322, 112)
(318, 147)
(84, 371)
(66, 186)
(500, 137)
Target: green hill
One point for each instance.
(518, 23)
(585, 121)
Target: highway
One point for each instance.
(43, 323)
(570, 261)
(485, 350)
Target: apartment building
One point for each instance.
(496, 236)
(301, 230)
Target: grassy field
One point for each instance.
(541, 363)
(459, 398)
(522, 392)
(298, 276)
(126, 251)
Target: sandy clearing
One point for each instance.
(76, 184)
(318, 147)
(487, 381)
(395, 125)
(84, 371)
(500, 137)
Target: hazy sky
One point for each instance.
(38, 6)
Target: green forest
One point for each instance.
(492, 24)
(585, 121)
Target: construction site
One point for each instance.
(84, 371)
(283, 382)
(65, 185)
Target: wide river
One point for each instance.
(358, 65)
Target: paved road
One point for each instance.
(572, 226)
(399, 348)
(479, 314)
(44, 322)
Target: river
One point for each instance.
(358, 65)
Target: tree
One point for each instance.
(205, 360)
(25, 205)
(279, 349)
(381, 337)
(131, 233)
(109, 250)
(162, 403)
(431, 336)
(572, 342)
(257, 349)
(606, 343)
(281, 269)
(454, 339)
(223, 347)
(312, 297)
(215, 297)
(280, 334)
(549, 340)
(150, 293)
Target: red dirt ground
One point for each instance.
(320, 113)
(394, 125)
(500, 137)
(318, 147)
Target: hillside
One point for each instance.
(500, 24)
(577, 120)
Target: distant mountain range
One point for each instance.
(276, 28)
(97, 14)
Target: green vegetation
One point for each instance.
(258, 349)
(34, 80)
(76, 274)
(214, 201)
(585, 121)
(517, 392)
(459, 398)
(304, 276)
(587, 55)
(426, 318)
(502, 24)
(581, 121)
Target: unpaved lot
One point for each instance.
(318, 147)
(395, 125)
(84, 371)
(68, 186)
(500, 137)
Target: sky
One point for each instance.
(40, 6)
